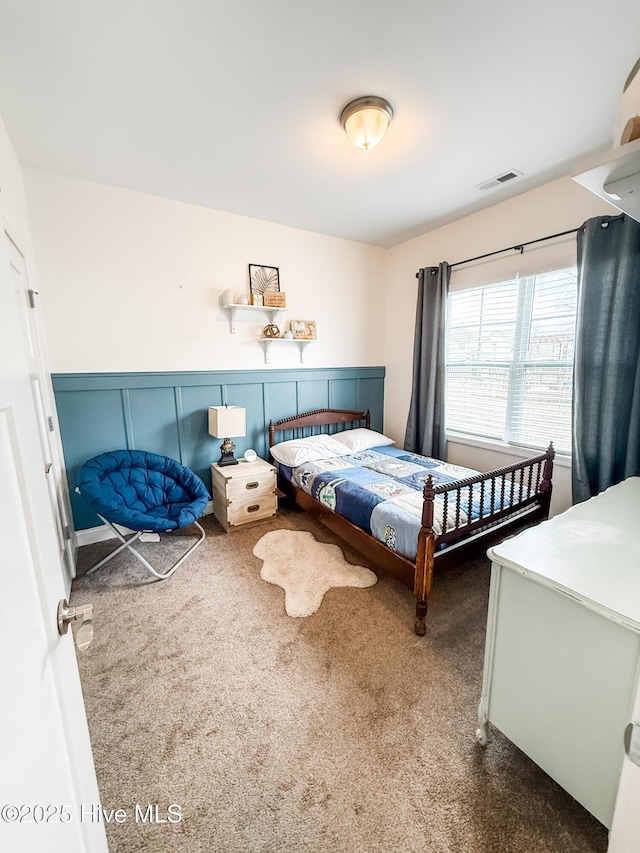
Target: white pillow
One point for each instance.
(297, 451)
(362, 439)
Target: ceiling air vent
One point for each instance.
(499, 179)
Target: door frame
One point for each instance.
(48, 754)
(61, 485)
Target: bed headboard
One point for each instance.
(317, 422)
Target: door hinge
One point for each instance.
(51, 424)
(67, 532)
(32, 297)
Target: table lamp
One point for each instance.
(225, 421)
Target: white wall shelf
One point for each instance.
(268, 342)
(233, 309)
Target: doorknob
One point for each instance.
(632, 742)
(81, 617)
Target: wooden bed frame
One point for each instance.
(523, 490)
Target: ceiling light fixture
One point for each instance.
(366, 120)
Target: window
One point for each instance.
(510, 360)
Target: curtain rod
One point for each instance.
(519, 247)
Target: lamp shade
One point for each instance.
(366, 120)
(227, 421)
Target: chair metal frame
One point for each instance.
(128, 544)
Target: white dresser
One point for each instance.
(562, 653)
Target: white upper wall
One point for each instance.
(549, 209)
(131, 282)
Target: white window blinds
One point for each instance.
(509, 360)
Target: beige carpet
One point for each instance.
(340, 732)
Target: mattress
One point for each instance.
(380, 491)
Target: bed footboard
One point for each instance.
(506, 499)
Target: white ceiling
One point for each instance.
(235, 105)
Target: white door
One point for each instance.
(625, 829)
(46, 766)
(32, 335)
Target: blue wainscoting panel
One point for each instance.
(193, 421)
(312, 395)
(280, 398)
(250, 396)
(151, 428)
(343, 394)
(369, 398)
(92, 424)
(167, 413)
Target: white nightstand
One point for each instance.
(243, 493)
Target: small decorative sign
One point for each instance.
(271, 299)
(304, 330)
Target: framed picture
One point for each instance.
(304, 329)
(263, 280)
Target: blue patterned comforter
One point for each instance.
(380, 491)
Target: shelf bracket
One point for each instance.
(303, 347)
(266, 343)
(232, 310)
(273, 314)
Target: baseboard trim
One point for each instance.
(91, 535)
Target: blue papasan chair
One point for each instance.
(145, 493)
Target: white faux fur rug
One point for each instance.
(306, 569)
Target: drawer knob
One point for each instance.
(252, 485)
(253, 508)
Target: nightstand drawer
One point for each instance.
(258, 482)
(252, 509)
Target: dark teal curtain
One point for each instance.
(606, 387)
(425, 425)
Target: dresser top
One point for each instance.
(591, 551)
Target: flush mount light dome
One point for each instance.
(366, 120)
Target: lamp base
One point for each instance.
(226, 450)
